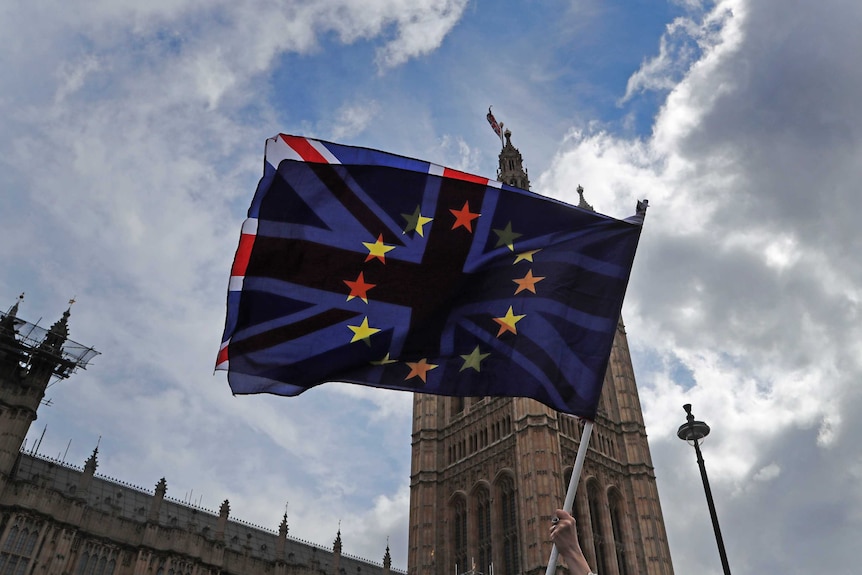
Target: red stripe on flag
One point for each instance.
(304, 148)
(243, 253)
(222, 355)
(456, 175)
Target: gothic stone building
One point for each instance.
(488, 473)
(56, 519)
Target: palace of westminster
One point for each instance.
(486, 476)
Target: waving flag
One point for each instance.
(360, 266)
(498, 128)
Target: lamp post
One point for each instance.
(693, 432)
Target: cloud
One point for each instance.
(744, 276)
(352, 119)
(133, 139)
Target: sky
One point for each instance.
(133, 138)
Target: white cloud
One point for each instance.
(351, 119)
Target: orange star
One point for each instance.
(528, 282)
(508, 321)
(359, 288)
(377, 250)
(464, 217)
(419, 369)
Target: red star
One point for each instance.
(464, 217)
(359, 288)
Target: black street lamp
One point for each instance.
(693, 432)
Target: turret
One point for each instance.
(511, 168)
(30, 359)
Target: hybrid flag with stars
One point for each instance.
(360, 266)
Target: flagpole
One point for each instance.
(573, 487)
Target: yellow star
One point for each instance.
(415, 221)
(526, 256)
(528, 282)
(385, 361)
(507, 237)
(362, 331)
(419, 369)
(377, 249)
(508, 321)
(473, 360)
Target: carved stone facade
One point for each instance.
(57, 518)
(488, 473)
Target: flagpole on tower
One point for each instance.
(573, 487)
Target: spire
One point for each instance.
(8, 321)
(511, 167)
(89, 471)
(13, 311)
(223, 513)
(336, 545)
(583, 203)
(282, 537)
(387, 558)
(156, 502)
(92, 462)
(336, 552)
(59, 332)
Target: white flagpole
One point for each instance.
(573, 487)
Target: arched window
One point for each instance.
(594, 500)
(509, 523)
(21, 542)
(82, 564)
(459, 534)
(103, 563)
(31, 543)
(10, 540)
(619, 528)
(483, 521)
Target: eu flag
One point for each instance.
(361, 266)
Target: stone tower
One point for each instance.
(487, 474)
(30, 358)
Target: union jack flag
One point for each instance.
(494, 125)
(361, 266)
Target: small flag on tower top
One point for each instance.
(360, 266)
(498, 128)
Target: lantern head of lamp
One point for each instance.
(692, 431)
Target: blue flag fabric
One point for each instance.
(360, 266)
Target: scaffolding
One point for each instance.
(25, 342)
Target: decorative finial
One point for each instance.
(13, 311)
(583, 203)
(92, 462)
(161, 488)
(387, 558)
(336, 545)
(642, 207)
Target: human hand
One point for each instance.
(565, 536)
